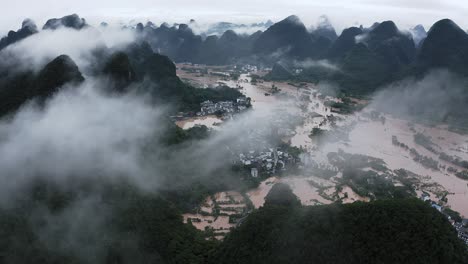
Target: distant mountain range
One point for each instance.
(27, 29)
(121, 67)
(282, 231)
(371, 56)
(221, 27)
(366, 58)
(51, 218)
(288, 39)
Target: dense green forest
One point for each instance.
(136, 69)
(114, 218)
(131, 226)
(113, 223)
(384, 231)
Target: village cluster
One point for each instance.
(224, 107)
(461, 227)
(247, 68)
(462, 230)
(269, 161)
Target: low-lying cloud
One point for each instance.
(81, 132)
(86, 133)
(316, 63)
(37, 50)
(432, 96)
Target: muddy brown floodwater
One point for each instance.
(366, 137)
(209, 121)
(300, 185)
(216, 211)
(375, 139)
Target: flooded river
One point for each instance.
(375, 139)
(367, 137)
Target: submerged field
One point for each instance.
(404, 161)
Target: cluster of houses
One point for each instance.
(248, 68)
(461, 227)
(426, 198)
(224, 107)
(269, 161)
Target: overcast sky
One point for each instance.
(343, 13)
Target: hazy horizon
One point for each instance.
(342, 13)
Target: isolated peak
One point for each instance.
(386, 28)
(292, 19)
(70, 21)
(324, 22)
(29, 24)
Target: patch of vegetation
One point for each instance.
(426, 161)
(126, 226)
(397, 143)
(176, 135)
(159, 78)
(455, 216)
(291, 150)
(322, 136)
(462, 175)
(368, 176)
(426, 142)
(454, 160)
(387, 231)
(316, 132)
(346, 106)
(373, 185)
(343, 160)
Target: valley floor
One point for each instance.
(364, 132)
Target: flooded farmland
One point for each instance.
(359, 133)
(218, 213)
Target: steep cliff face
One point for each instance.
(446, 45)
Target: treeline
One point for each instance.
(96, 222)
(386, 231)
(112, 222)
(134, 69)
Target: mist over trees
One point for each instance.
(376, 232)
(94, 170)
